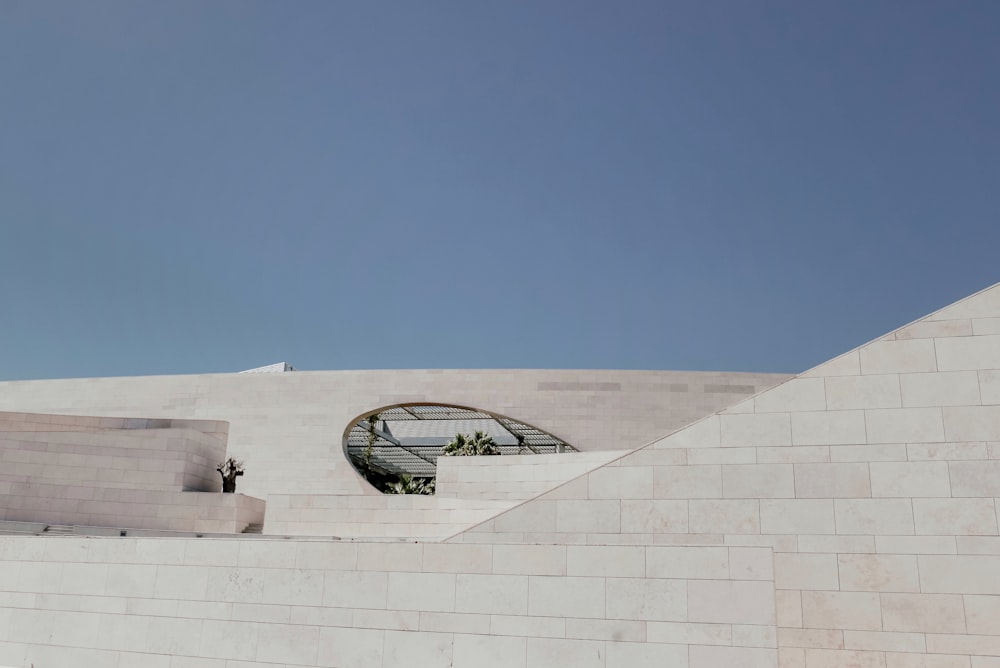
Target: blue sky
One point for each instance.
(193, 187)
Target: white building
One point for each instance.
(845, 517)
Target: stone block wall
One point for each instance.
(383, 516)
(176, 603)
(874, 478)
(513, 478)
(844, 519)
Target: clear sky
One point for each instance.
(197, 186)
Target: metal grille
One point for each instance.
(402, 446)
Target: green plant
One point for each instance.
(465, 445)
(230, 470)
(366, 456)
(407, 484)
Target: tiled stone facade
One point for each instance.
(844, 519)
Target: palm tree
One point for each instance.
(465, 445)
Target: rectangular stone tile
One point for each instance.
(909, 479)
(907, 356)
(539, 515)
(757, 481)
(911, 660)
(976, 545)
(828, 427)
(959, 574)
(621, 482)
(647, 599)
(730, 602)
(702, 656)
(946, 451)
(654, 516)
(966, 517)
(453, 558)
(928, 329)
(982, 614)
(968, 353)
(491, 594)
(832, 481)
(566, 596)
(915, 544)
(287, 643)
(488, 651)
(834, 658)
(606, 560)
(751, 563)
(687, 482)
(766, 429)
(606, 629)
(989, 386)
(945, 388)
(754, 635)
(981, 326)
(975, 478)
(859, 392)
(972, 423)
(642, 655)
(788, 609)
(881, 452)
(793, 454)
(422, 591)
(811, 638)
(530, 627)
(292, 587)
(874, 516)
(796, 516)
(964, 644)
(428, 650)
(683, 633)
(797, 394)
(923, 613)
(587, 516)
(878, 572)
(806, 571)
(709, 563)
(857, 611)
(529, 559)
(905, 425)
(724, 516)
(557, 653)
(722, 456)
(454, 622)
(837, 544)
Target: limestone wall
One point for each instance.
(175, 603)
(370, 516)
(844, 519)
(513, 478)
(289, 427)
(874, 478)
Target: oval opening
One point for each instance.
(396, 448)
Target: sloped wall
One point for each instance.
(874, 478)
